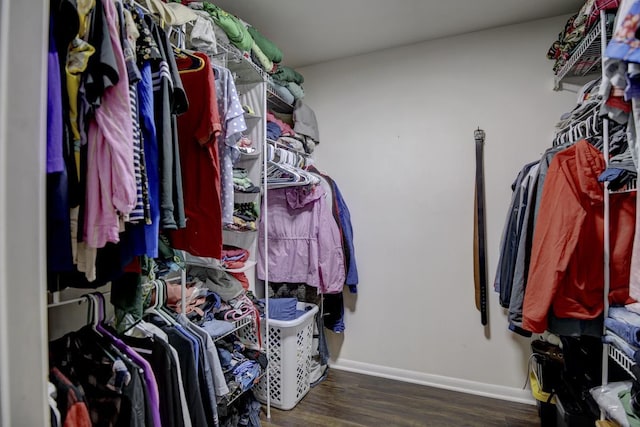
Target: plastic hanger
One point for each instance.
(91, 302)
(577, 134)
(587, 128)
(162, 308)
(95, 318)
(196, 63)
(596, 122)
(156, 308)
(101, 310)
(571, 133)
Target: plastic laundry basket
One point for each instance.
(290, 345)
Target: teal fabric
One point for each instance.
(625, 398)
(235, 30)
(296, 90)
(266, 46)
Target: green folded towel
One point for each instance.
(266, 46)
(235, 30)
(286, 74)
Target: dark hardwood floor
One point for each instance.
(350, 400)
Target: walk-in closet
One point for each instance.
(265, 213)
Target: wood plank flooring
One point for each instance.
(355, 400)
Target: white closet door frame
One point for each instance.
(23, 357)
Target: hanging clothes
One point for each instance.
(111, 379)
(189, 367)
(91, 84)
(55, 159)
(158, 354)
(233, 124)
(70, 401)
(515, 260)
(110, 188)
(59, 254)
(341, 214)
(170, 100)
(304, 240)
(566, 273)
(198, 130)
(128, 34)
(511, 235)
(333, 304)
(526, 222)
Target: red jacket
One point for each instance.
(566, 273)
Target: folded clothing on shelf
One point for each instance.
(242, 183)
(217, 328)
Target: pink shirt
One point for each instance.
(111, 185)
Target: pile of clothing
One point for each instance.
(234, 258)
(622, 331)
(245, 216)
(576, 29)
(287, 83)
(242, 366)
(242, 183)
(298, 131)
(277, 127)
(215, 26)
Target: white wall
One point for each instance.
(23, 357)
(396, 132)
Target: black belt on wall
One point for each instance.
(480, 232)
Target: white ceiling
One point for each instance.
(312, 31)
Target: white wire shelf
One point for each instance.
(245, 70)
(628, 188)
(621, 359)
(238, 324)
(276, 103)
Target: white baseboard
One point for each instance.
(455, 384)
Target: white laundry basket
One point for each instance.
(290, 353)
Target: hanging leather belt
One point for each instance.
(480, 232)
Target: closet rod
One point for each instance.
(606, 213)
(265, 217)
(277, 144)
(79, 300)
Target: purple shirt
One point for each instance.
(55, 160)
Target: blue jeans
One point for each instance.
(613, 339)
(627, 332)
(624, 315)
